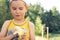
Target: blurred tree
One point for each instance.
(39, 25)
(4, 12)
(54, 11)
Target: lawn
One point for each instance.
(51, 37)
(54, 37)
(39, 38)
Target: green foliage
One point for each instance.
(52, 20)
(4, 12)
(35, 11)
(39, 26)
(54, 11)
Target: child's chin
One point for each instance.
(18, 18)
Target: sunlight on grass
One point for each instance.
(39, 38)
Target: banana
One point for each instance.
(19, 30)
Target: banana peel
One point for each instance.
(19, 30)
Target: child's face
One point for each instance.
(18, 9)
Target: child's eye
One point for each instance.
(14, 8)
(20, 8)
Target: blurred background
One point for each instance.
(43, 13)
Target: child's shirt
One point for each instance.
(24, 25)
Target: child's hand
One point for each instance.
(11, 32)
(24, 37)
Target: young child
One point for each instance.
(13, 28)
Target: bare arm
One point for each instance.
(32, 31)
(4, 31)
(8, 37)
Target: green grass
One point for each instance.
(54, 36)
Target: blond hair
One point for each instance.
(18, 0)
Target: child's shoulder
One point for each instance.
(32, 28)
(31, 24)
(6, 22)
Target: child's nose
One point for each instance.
(17, 11)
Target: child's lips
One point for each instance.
(17, 15)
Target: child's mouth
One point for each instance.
(17, 15)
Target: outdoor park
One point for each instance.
(47, 23)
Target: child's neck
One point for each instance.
(19, 20)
